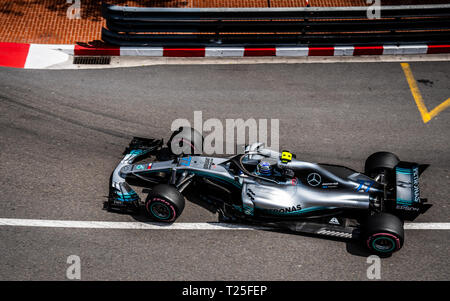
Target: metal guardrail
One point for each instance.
(144, 26)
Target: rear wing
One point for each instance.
(407, 190)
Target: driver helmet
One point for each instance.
(264, 168)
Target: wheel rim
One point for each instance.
(160, 210)
(383, 244)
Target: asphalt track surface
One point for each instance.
(63, 132)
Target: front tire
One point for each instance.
(383, 233)
(164, 203)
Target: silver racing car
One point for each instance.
(263, 186)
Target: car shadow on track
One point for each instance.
(353, 247)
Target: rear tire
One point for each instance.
(164, 203)
(383, 233)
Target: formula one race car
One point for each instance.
(266, 187)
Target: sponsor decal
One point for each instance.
(149, 166)
(330, 185)
(208, 163)
(286, 210)
(363, 183)
(140, 167)
(334, 221)
(408, 191)
(314, 179)
(185, 161)
(416, 191)
(407, 208)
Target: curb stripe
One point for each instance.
(368, 50)
(13, 54)
(321, 51)
(106, 50)
(39, 56)
(184, 52)
(433, 49)
(260, 52)
(292, 51)
(164, 226)
(141, 51)
(224, 51)
(344, 50)
(405, 49)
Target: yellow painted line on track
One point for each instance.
(426, 115)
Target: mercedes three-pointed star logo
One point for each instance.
(314, 179)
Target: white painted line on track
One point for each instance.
(123, 225)
(427, 226)
(162, 226)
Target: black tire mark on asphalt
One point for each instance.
(108, 115)
(30, 132)
(68, 97)
(69, 120)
